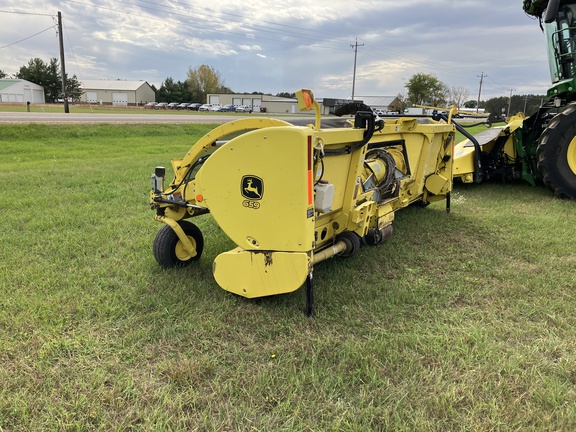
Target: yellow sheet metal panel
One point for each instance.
(335, 172)
(208, 141)
(259, 189)
(464, 162)
(258, 274)
(438, 184)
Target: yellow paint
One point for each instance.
(257, 274)
(258, 188)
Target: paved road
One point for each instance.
(39, 117)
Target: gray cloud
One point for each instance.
(275, 46)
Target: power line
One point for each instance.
(297, 37)
(279, 33)
(187, 14)
(26, 13)
(71, 49)
(211, 16)
(29, 37)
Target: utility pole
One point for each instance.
(355, 46)
(525, 103)
(509, 103)
(482, 76)
(62, 67)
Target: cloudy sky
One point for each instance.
(276, 46)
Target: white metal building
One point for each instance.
(280, 105)
(386, 103)
(253, 101)
(117, 92)
(257, 102)
(21, 91)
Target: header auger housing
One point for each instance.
(292, 196)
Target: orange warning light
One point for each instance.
(308, 99)
(305, 99)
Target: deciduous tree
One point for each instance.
(204, 80)
(424, 89)
(48, 76)
(458, 95)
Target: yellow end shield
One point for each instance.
(256, 274)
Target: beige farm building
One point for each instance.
(117, 92)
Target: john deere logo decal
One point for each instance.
(252, 187)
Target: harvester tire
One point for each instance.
(168, 249)
(353, 243)
(556, 153)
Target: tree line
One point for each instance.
(48, 75)
(422, 89)
(426, 89)
(199, 83)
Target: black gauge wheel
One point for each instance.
(168, 249)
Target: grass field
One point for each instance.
(462, 321)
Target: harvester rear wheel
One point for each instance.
(168, 249)
(556, 153)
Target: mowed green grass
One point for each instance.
(101, 109)
(461, 321)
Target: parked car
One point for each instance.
(227, 108)
(150, 105)
(243, 108)
(172, 105)
(205, 107)
(215, 108)
(379, 112)
(161, 105)
(194, 106)
(183, 105)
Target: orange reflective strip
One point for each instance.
(310, 178)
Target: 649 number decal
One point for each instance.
(251, 204)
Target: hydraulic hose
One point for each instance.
(477, 150)
(364, 118)
(351, 108)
